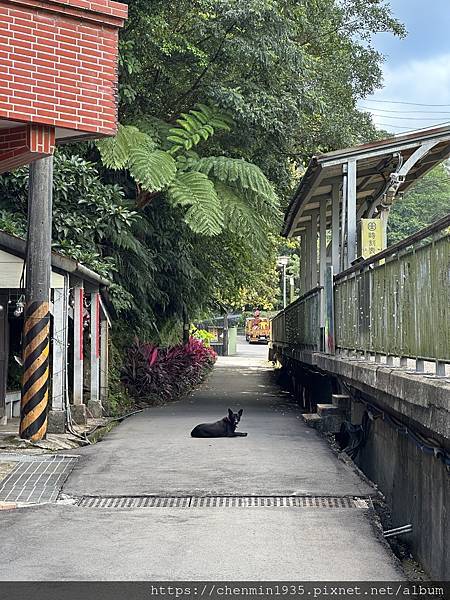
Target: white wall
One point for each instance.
(11, 269)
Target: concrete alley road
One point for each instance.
(153, 454)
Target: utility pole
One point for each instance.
(34, 397)
(225, 334)
(186, 324)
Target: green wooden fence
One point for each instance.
(397, 303)
(399, 308)
(298, 324)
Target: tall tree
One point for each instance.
(427, 201)
(218, 192)
(289, 71)
(181, 218)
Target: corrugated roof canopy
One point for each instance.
(377, 163)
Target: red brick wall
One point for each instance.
(21, 145)
(58, 62)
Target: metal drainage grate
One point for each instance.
(223, 502)
(36, 479)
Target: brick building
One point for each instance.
(58, 83)
(58, 74)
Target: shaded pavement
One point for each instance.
(153, 454)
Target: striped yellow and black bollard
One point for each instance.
(33, 422)
(35, 341)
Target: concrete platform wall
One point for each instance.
(417, 489)
(416, 485)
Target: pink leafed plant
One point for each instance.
(154, 375)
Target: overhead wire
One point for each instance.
(393, 125)
(406, 103)
(410, 129)
(402, 112)
(407, 118)
(382, 113)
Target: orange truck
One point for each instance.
(257, 330)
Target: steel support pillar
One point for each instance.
(322, 257)
(313, 280)
(352, 241)
(335, 205)
(307, 276)
(384, 215)
(303, 263)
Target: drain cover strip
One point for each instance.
(223, 502)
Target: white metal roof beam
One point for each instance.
(398, 177)
(372, 153)
(427, 165)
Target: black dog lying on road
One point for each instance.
(226, 427)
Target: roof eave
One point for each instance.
(17, 246)
(305, 184)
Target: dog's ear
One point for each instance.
(241, 410)
(230, 413)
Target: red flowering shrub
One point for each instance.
(154, 375)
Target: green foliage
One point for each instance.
(154, 170)
(13, 223)
(115, 152)
(197, 125)
(90, 218)
(288, 71)
(260, 291)
(189, 182)
(119, 402)
(249, 183)
(202, 334)
(197, 192)
(136, 151)
(426, 202)
(243, 175)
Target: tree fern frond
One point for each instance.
(156, 128)
(235, 208)
(177, 139)
(241, 219)
(264, 207)
(128, 242)
(213, 112)
(154, 170)
(195, 191)
(115, 151)
(200, 116)
(245, 178)
(230, 171)
(197, 125)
